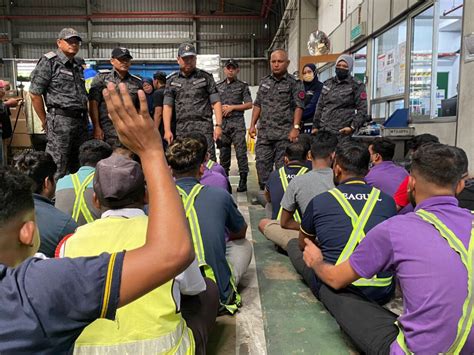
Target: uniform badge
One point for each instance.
(301, 94)
(363, 95)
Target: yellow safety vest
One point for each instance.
(358, 225)
(149, 325)
(235, 300)
(210, 164)
(284, 185)
(80, 205)
(467, 258)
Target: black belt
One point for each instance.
(68, 113)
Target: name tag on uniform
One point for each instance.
(266, 86)
(66, 72)
(199, 81)
(175, 84)
(326, 89)
(309, 92)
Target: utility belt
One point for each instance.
(68, 113)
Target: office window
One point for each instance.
(390, 56)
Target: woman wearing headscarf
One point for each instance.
(312, 88)
(148, 89)
(342, 106)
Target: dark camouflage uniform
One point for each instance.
(99, 83)
(192, 98)
(343, 103)
(233, 126)
(61, 82)
(277, 100)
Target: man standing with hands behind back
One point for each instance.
(279, 104)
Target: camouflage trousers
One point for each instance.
(269, 153)
(205, 128)
(233, 132)
(65, 136)
(110, 134)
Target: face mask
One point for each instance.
(342, 73)
(308, 77)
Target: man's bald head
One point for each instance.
(279, 62)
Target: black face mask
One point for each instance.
(342, 73)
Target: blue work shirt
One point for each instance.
(275, 188)
(53, 224)
(45, 304)
(325, 219)
(216, 211)
(312, 93)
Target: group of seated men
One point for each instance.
(109, 206)
(349, 233)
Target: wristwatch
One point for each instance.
(297, 126)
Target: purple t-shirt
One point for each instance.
(211, 178)
(432, 277)
(386, 176)
(217, 168)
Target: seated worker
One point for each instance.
(74, 191)
(53, 224)
(401, 195)
(211, 212)
(294, 165)
(431, 251)
(154, 321)
(339, 219)
(384, 174)
(306, 139)
(45, 304)
(301, 190)
(214, 174)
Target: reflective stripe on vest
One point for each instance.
(234, 301)
(284, 185)
(180, 342)
(467, 258)
(358, 224)
(80, 205)
(210, 164)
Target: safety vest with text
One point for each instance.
(284, 184)
(357, 235)
(234, 301)
(80, 205)
(467, 258)
(150, 324)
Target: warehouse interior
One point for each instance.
(416, 58)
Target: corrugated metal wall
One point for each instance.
(147, 38)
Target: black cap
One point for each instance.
(231, 62)
(186, 50)
(121, 52)
(67, 33)
(161, 76)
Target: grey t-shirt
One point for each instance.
(303, 188)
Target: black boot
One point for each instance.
(242, 183)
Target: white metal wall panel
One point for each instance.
(398, 6)
(380, 13)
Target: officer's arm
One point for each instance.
(40, 80)
(215, 100)
(247, 100)
(255, 115)
(157, 116)
(150, 265)
(318, 112)
(361, 106)
(217, 107)
(94, 113)
(168, 107)
(287, 221)
(298, 96)
(301, 238)
(38, 105)
(242, 107)
(335, 276)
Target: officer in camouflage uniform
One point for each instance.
(192, 93)
(235, 98)
(103, 126)
(279, 105)
(58, 78)
(342, 106)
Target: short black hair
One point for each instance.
(324, 144)
(463, 159)
(93, 151)
(201, 138)
(353, 157)
(439, 164)
(295, 151)
(184, 155)
(421, 139)
(37, 166)
(384, 147)
(15, 194)
(305, 139)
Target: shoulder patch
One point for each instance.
(363, 95)
(301, 95)
(50, 55)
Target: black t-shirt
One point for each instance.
(466, 197)
(158, 96)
